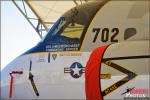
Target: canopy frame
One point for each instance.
(39, 27)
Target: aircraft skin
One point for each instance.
(54, 68)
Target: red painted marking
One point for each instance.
(11, 81)
(92, 72)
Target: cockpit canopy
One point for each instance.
(69, 30)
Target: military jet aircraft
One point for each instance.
(55, 67)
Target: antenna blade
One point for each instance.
(30, 65)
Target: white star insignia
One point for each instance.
(76, 70)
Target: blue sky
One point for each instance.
(17, 36)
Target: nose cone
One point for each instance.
(5, 83)
(14, 79)
(5, 80)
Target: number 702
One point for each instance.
(105, 34)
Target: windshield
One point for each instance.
(64, 35)
(66, 29)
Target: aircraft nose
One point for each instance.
(14, 79)
(5, 83)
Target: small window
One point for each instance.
(129, 32)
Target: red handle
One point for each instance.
(11, 81)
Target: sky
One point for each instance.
(17, 35)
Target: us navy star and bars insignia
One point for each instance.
(76, 70)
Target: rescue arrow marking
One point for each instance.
(130, 76)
